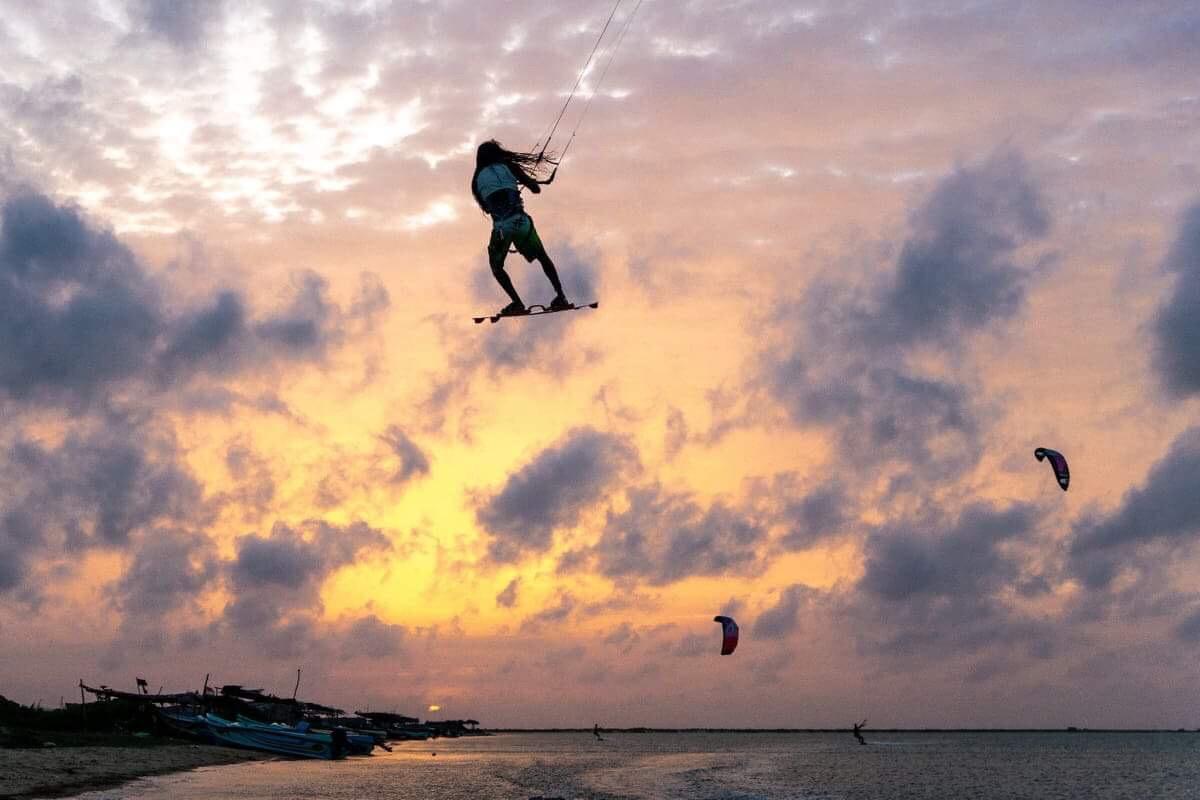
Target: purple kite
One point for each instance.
(729, 631)
(1058, 462)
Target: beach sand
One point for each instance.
(61, 771)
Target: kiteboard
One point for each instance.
(536, 310)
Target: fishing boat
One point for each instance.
(359, 744)
(277, 739)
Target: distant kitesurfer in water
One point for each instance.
(596, 732)
(857, 732)
(499, 174)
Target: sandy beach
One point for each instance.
(62, 771)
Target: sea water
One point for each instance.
(719, 766)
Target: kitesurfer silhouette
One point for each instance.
(596, 731)
(857, 732)
(499, 174)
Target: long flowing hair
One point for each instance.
(532, 165)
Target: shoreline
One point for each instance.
(66, 771)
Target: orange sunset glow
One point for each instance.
(854, 263)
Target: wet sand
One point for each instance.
(62, 771)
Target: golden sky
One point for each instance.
(855, 261)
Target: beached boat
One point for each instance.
(359, 744)
(277, 739)
(398, 726)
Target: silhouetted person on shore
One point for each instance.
(499, 174)
(596, 732)
(858, 732)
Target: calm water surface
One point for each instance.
(720, 766)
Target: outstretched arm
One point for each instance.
(529, 183)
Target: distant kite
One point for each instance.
(729, 631)
(1058, 462)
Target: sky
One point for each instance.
(855, 262)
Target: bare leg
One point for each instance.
(505, 282)
(551, 273)
(497, 251)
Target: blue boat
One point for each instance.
(360, 744)
(277, 739)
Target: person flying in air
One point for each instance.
(499, 174)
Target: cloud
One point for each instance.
(183, 23)
(97, 487)
(665, 537)
(413, 461)
(507, 348)
(1177, 324)
(371, 637)
(847, 357)
(508, 596)
(552, 490)
(170, 569)
(80, 315)
(203, 334)
(298, 558)
(780, 620)
(935, 585)
(676, 435)
(275, 580)
(254, 486)
(819, 514)
(1164, 509)
(956, 273)
(903, 561)
(564, 605)
(1189, 629)
(77, 312)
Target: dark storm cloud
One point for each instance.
(413, 461)
(298, 327)
(295, 558)
(881, 411)
(845, 359)
(935, 586)
(1164, 509)
(1177, 326)
(819, 514)
(372, 637)
(183, 23)
(79, 314)
(169, 570)
(664, 537)
(77, 311)
(96, 487)
(957, 272)
(552, 490)
(780, 620)
(275, 583)
(205, 333)
(927, 558)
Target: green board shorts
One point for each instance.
(517, 230)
